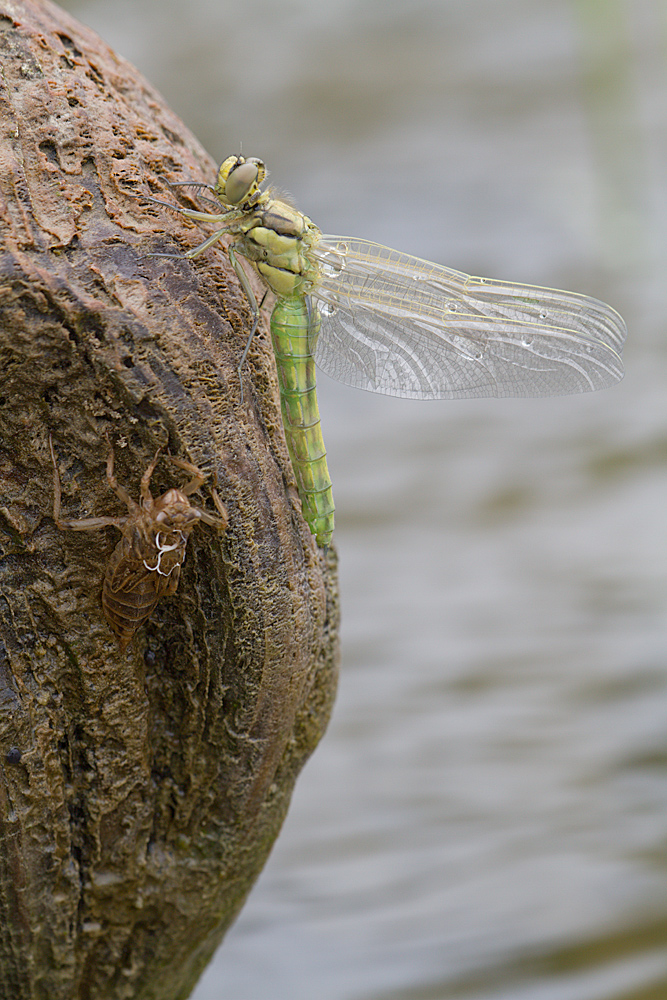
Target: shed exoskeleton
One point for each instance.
(146, 563)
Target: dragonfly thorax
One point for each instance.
(278, 240)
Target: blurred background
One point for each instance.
(486, 818)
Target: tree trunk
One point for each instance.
(140, 792)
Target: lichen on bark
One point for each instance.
(140, 793)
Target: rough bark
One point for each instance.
(140, 793)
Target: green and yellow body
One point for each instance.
(278, 241)
(276, 238)
(291, 333)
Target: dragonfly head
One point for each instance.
(239, 180)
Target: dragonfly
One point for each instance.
(385, 321)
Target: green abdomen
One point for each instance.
(301, 416)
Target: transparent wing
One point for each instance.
(396, 324)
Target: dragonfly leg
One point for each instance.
(209, 242)
(195, 190)
(84, 523)
(190, 213)
(146, 495)
(254, 309)
(120, 492)
(198, 477)
(194, 185)
(190, 254)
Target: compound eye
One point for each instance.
(261, 168)
(241, 181)
(225, 170)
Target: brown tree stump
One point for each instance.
(140, 792)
